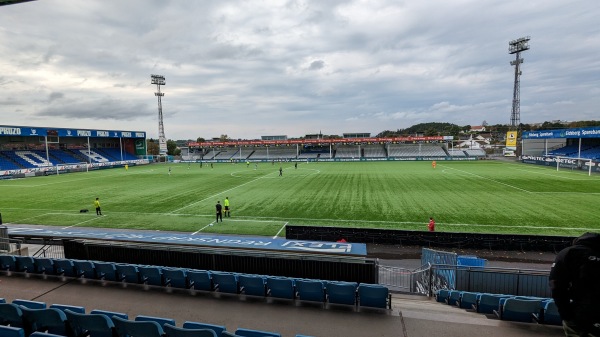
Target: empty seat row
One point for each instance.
(505, 307)
(23, 318)
(350, 293)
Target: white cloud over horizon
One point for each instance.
(253, 68)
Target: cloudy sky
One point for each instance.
(253, 68)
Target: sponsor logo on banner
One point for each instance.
(511, 138)
(10, 131)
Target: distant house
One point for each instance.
(476, 142)
(477, 128)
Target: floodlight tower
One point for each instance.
(162, 140)
(516, 47)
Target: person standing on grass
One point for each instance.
(219, 211)
(97, 205)
(574, 281)
(431, 225)
(296, 165)
(280, 171)
(226, 205)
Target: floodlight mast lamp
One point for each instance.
(162, 140)
(516, 47)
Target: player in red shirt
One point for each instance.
(431, 225)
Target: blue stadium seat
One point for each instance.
(255, 333)
(218, 329)
(84, 269)
(442, 295)
(109, 314)
(225, 282)
(127, 273)
(92, 325)
(518, 310)
(200, 279)
(2, 300)
(173, 331)
(11, 314)
(53, 321)
(74, 308)
(45, 334)
(175, 277)
(105, 271)
(468, 300)
(453, 297)
(160, 320)
(44, 266)
(25, 264)
(64, 267)
(374, 295)
(127, 328)
(550, 313)
(151, 275)
(254, 285)
(30, 304)
(310, 290)
(341, 292)
(8, 262)
(281, 287)
(487, 303)
(9, 331)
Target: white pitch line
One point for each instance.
(79, 223)
(276, 235)
(214, 195)
(498, 182)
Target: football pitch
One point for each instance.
(482, 197)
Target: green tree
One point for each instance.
(172, 148)
(152, 147)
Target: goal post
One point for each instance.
(574, 163)
(71, 167)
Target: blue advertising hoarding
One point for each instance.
(591, 132)
(25, 131)
(221, 241)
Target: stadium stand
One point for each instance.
(410, 150)
(374, 151)
(347, 151)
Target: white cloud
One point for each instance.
(248, 69)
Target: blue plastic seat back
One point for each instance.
(160, 320)
(175, 277)
(341, 292)
(551, 315)
(454, 297)
(255, 333)
(11, 314)
(109, 314)
(310, 290)
(254, 285)
(150, 275)
(74, 308)
(50, 320)
(127, 273)
(106, 271)
(8, 262)
(467, 300)
(442, 295)
(226, 282)
(64, 267)
(9, 331)
(44, 334)
(373, 295)
(200, 279)
(96, 325)
(281, 287)
(137, 329)
(25, 264)
(487, 303)
(218, 329)
(520, 310)
(44, 266)
(84, 269)
(173, 331)
(30, 304)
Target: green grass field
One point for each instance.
(484, 197)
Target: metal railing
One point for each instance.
(429, 278)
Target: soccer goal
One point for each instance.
(574, 164)
(71, 167)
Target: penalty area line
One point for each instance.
(79, 223)
(284, 225)
(203, 228)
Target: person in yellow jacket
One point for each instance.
(226, 204)
(97, 205)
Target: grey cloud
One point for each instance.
(316, 65)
